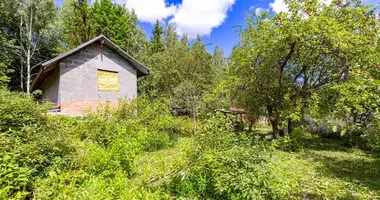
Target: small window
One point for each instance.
(108, 81)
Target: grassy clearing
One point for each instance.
(262, 130)
(153, 169)
(325, 169)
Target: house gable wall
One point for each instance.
(79, 77)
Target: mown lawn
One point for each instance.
(325, 169)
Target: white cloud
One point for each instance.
(191, 17)
(200, 17)
(150, 10)
(259, 10)
(279, 5)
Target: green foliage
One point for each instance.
(118, 24)
(18, 111)
(13, 178)
(157, 44)
(181, 71)
(76, 23)
(318, 60)
(326, 169)
(30, 144)
(37, 14)
(132, 152)
(82, 21)
(5, 48)
(371, 136)
(291, 143)
(62, 157)
(282, 60)
(225, 165)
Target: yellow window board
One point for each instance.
(108, 81)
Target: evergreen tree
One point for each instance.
(218, 58)
(219, 63)
(77, 26)
(120, 25)
(200, 70)
(156, 42)
(105, 14)
(170, 36)
(9, 31)
(185, 41)
(4, 60)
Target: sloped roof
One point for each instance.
(141, 69)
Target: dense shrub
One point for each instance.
(291, 142)
(371, 136)
(17, 111)
(94, 156)
(43, 156)
(225, 165)
(29, 144)
(111, 138)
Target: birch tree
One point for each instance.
(35, 16)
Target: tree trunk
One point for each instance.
(22, 74)
(251, 121)
(195, 120)
(28, 56)
(28, 71)
(21, 61)
(273, 121)
(290, 127)
(274, 124)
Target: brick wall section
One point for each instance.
(75, 107)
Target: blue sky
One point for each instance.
(217, 21)
(225, 35)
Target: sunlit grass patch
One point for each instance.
(155, 169)
(326, 169)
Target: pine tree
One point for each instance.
(4, 60)
(76, 19)
(156, 43)
(104, 17)
(201, 69)
(219, 62)
(9, 52)
(218, 57)
(118, 24)
(170, 36)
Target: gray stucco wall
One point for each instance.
(79, 75)
(50, 87)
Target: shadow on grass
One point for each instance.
(342, 161)
(325, 144)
